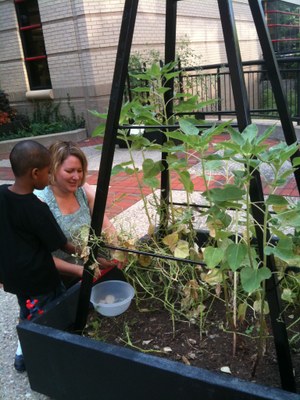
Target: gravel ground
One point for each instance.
(13, 385)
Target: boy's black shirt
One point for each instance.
(28, 235)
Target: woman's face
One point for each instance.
(69, 175)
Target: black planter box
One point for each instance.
(64, 366)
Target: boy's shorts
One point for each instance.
(42, 301)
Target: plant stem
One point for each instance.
(140, 186)
(234, 311)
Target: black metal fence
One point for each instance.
(213, 82)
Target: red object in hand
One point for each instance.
(102, 273)
(118, 263)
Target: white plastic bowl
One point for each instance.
(111, 298)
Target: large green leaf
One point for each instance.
(116, 169)
(276, 200)
(99, 130)
(218, 218)
(171, 75)
(152, 168)
(236, 138)
(213, 256)
(212, 165)
(97, 114)
(142, 76)
(122, 167)
(155, 70)
(187, 127)
(296, 161)
(176, 135)
(130, 171)
(250, 133)
(290, 218)
(143, 89)
(284, 250)
(225, 193)
(153, 182)
(279, 154)
(138, 142)
(185, 179)
(177, 164)
(266, 134)
(235, 254)
(251, 278)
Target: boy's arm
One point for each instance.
(66, 268)
(71, 249)
(69, 269)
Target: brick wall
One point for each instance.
(13, 78)
(81, 37)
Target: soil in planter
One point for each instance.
(151, 330)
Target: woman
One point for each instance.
(71, 199)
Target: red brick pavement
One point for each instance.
(124, 191)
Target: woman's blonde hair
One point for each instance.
(60, 151)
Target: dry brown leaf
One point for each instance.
(185, 360)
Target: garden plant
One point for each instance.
(177, 270)
(197, 254)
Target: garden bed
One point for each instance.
(149, 329)
(64, 365)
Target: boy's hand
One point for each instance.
(103, 263)
(118, 264)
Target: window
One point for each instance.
(32, 38)
(283, 19)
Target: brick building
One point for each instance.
(50, 49)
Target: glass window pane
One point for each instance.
(38, 74)
(34, 43)
(28, 12)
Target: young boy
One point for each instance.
(29, 233)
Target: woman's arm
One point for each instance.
(108, 229)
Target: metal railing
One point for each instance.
(213, 82)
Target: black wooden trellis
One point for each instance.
(243, 119)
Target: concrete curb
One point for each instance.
(76, 135)
(81, 134)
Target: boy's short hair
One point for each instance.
(27, 155)
(60, 151)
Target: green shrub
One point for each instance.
(46, 119)
(10, 121)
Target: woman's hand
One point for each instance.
(104, 264)
(97, 274)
